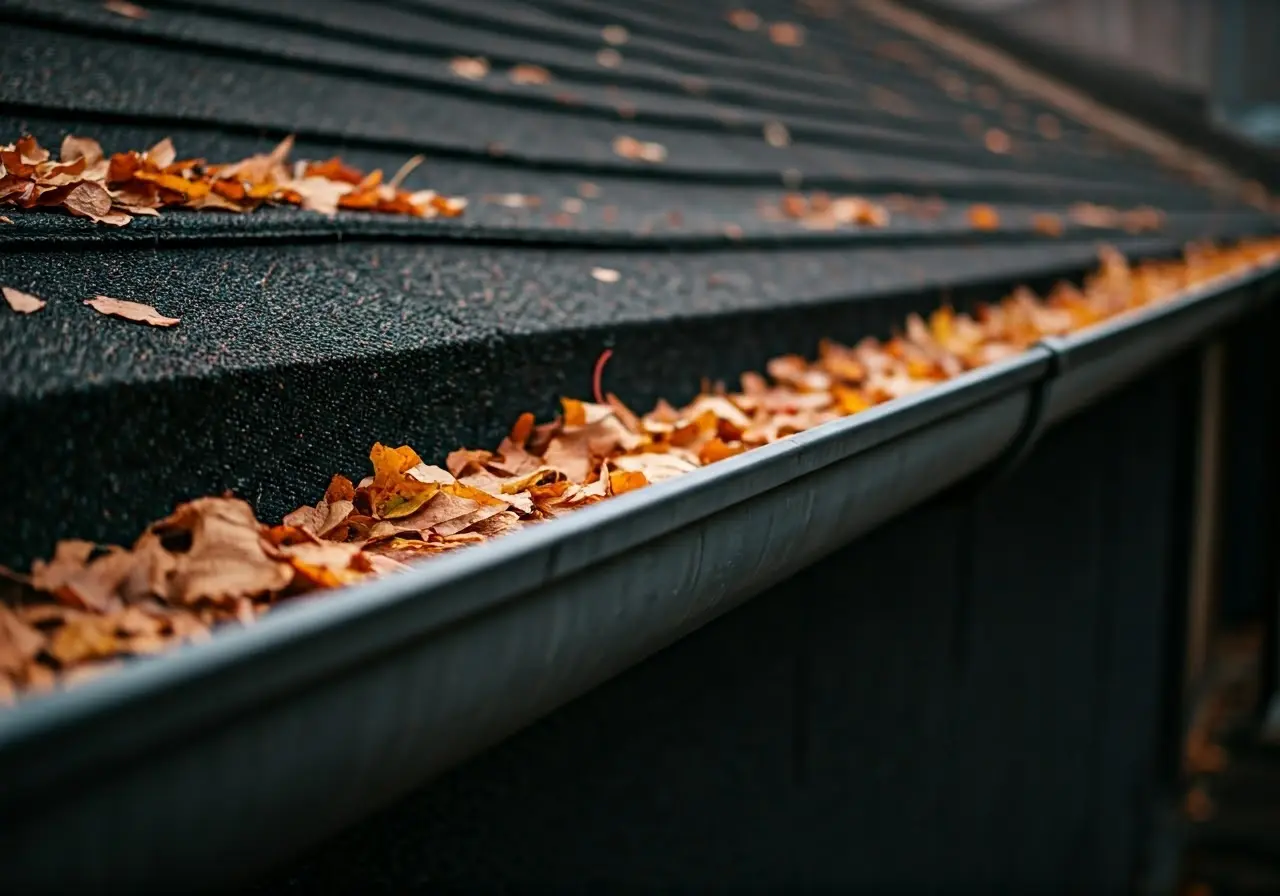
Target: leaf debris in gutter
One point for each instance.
(212, 562)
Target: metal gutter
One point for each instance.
(210, 764)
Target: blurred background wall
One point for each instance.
(1222, 54)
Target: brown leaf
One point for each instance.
(83, 639)
(1046, 224)
(325, 565)
(462, 523)
(639, 150)
(30, 150)
(525, 73)
(162, 155)
(997, 141)
(134, 311)
(473, 68)
(22, 302)
(74, 148)
(498, 524)
(69, 558)
(19, 642)
(89, 199)
(125, 8)
(786, 34)
(219, 553)
(442, 507)
(306, 518)
(319, 194)
(654, 467)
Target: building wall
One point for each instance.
(1171, 39)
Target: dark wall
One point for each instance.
(969, 700)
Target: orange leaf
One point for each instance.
(621, 481)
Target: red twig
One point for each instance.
(599, 371)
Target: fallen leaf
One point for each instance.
(134, 311)
(473, 68)
(631, 148)
(22, 302)
(786, 34)
(743, 19)
(19, 642)
(997, 141)
(983, 217)
(75, 148)
(623, 481)
(1046, 224)
(776, 134)
(605, 275)
(615, 35)
(524, 73)
(218, 553)
(608, 57)
(88, 200)
(125, 8)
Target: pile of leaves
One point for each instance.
(113, 190)
(212, 561)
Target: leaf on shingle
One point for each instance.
(473, 68)
(524, 73)
(126, 9)
(22, 302)
(134, 311)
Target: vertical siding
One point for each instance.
(1169, 39)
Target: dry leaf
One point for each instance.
(615, 35)
(608, 57)
(605, 275)
(473, 68)
(134, 311)
(113, 191)
(22, 302)
(218, 553)
(997, 141)
(983, 217)
(776, 133)
(631, 148)
(125, 8)
(743, 19)
(75, 148)
(786, 34)
(19, 642)
(1046, 224)
(524, 73)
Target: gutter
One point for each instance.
(221, 759)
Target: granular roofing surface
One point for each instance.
(304, 338)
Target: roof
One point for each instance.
(305, 338)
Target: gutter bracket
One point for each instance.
(1035, 422)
